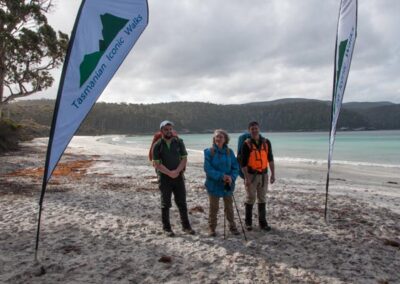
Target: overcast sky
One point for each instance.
(235, 51)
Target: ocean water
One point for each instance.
(377, 148)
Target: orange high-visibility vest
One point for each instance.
(258, 159)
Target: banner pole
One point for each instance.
(39, 219)
(331, 124)
(326, 197)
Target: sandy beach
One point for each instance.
(101, 223)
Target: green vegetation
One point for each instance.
(12, 133)
(195, 117)
(9, 135)
(29, 49)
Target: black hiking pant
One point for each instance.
(169, 186)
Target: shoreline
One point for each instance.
(290, 155)
(103, 224)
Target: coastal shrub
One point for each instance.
(31, 129)
(9, 135)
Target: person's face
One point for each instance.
(167, 131)
(254, 131)
(219, 139)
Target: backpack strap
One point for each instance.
(174, 138)
(248, 143)
(177, 140)
(264, 143)
(160, 149)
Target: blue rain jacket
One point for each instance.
(216, 167)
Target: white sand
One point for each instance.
(105, 226)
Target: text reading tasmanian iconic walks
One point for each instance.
(89, 68)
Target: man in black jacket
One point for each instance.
(169, 159)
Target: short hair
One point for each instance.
(253, 123)
(224, 133)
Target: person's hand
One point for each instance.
(227, 179)
(272, 179)
(170, 174)
(174, 174)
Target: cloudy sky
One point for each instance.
(235, 51)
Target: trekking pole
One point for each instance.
(240, 219)
(224, 225)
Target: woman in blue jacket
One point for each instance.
(222, 169)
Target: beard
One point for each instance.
(168, 135)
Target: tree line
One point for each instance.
(197, 117)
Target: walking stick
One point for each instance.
(224, 224)
(240, 219)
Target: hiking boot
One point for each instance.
(183, 213)
(262, 217)
(169, 233)
(165, 222)
(265, 227)
(212, 233)
(189, 231)
(234, 231)
(248, 216)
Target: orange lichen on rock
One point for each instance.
(74, 169)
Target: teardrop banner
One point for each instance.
(345, 41)
(104, 33)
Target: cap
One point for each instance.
(165, 122)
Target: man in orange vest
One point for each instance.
(256, 158)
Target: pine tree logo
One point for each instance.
(342, 52)
(112, 25)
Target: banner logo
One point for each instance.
(112, 25)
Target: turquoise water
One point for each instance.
(353, 147)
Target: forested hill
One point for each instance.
(196, 117)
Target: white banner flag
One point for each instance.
(104, 33)
(345, 40)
